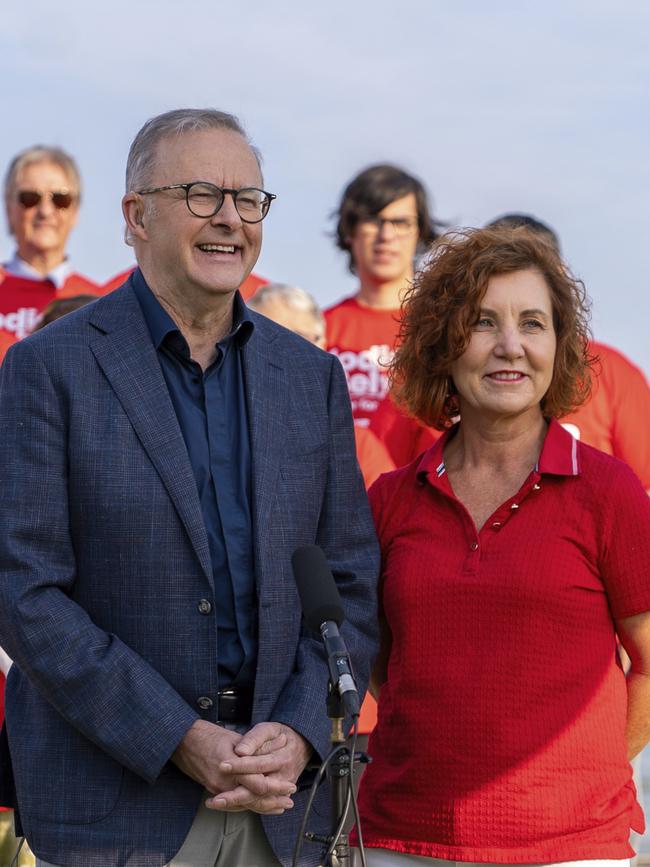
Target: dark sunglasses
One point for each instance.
(30, 199)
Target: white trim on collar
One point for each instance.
(19, 268)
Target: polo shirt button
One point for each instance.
(474, 546)
(205, 606)
(537, 487)
(514, 506)
(204, 702)
(496, 525)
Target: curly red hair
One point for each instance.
(442, 306)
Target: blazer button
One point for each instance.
(204, 702)
(205, 606)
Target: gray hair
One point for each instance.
(141, 159)
(43, 154)
(292, 296)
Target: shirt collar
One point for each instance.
(160, 323)
(19, 268)
(432, 461)
(559, 455)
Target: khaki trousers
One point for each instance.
(225, 839)
(218, 839)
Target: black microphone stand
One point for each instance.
(336, 846)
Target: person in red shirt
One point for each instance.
(512, 556)
(384, 221)
(294, 308)
(42, 196)
(616, 416)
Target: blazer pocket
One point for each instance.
(305, 465)
(60, 775)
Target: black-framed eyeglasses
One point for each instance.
(31, 198)
(204, 199)
(401, 226)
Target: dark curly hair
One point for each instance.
(443, 304)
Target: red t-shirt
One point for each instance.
(501, 732)
(22, 299)
(616, 419)
(248, 288)
(373, 460)
(372, 455)
(363, 339)
(404, 437)
(116, 282)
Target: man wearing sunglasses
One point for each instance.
(179, 448)
(42, 194)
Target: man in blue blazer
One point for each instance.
(163, 452)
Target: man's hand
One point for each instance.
(207, 748)
(272, 749)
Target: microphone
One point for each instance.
(323, 612)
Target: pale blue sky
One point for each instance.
(497, 105)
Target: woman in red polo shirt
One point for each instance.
(513, 556)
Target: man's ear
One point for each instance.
(133, 210)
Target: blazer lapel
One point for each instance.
(267, 401)
(124, 351)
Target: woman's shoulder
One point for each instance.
(394, 491)
(601, 471)
(394, 480)
(612, 492)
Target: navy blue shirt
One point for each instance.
(211, 411)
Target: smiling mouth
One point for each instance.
(217, 248)
(506, 376)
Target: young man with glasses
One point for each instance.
(383, 223)
(42, 195)
(178, 448)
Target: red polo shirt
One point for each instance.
(501, 731)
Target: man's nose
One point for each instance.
(227, 215)
(45, 207)
(386, 230)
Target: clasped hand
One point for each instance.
(255, 771)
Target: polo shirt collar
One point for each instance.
(559, 455)
(160, 323)
(19, 268)
(432, 462)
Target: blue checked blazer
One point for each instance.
(104, 560)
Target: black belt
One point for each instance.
(234, 705)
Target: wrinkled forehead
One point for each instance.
(45, 175)
(221, 156)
